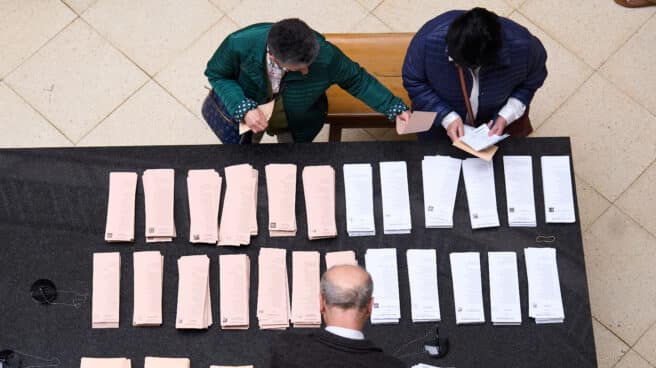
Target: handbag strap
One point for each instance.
(465, 96)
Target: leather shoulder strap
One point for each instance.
(463, 87)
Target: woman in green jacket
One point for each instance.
(290, 63)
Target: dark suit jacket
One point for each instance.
(322, 349)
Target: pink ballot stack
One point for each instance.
(105, 301)
(281, 195)
(305, 289)
(346, 257)
(152, 362)
(120, 207)
(319, 191)
(204, 192)
(194, 302)
(239, 216)
(105, 363)
(234, 288)
(158, 193)
(273, 289)
(148, 280)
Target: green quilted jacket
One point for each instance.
(237, 73)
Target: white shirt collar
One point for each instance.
(345, 332)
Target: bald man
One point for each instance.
(346, 304)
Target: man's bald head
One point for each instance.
(347, 287)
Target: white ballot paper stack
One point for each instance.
(481, 194)
(345, 257)
(557, 187)
(467, 287)
(319, 191)
(148, 280)
(478, 138)
(234, 290)
(440, 176)
(518, 172)
(545, 302)
(239, 216)
(305, 289)
(504, 289)
(105, 363)
(424, 295)
(272, 289)
(359, 196)
(120, 207)
(281, 198)
(153, 362)
(204, 192)
(159, 195)
(105, 302)
(194, 300)
(381, 265)
(396, 199)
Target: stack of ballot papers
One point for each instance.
(234, 287)
(159, 195)
(105, 363)
(231, 366)
(396, 199)
(148, 280)
(204, 191)
(420, 121)
(479, 139)
(518, 172)
(281, 198)
(359, 196)
(105, 302)
(194, 309)
(345, 257)
(273, 289)
(481, 194)
(557, 187)
(319, 191)
(422, 274)
(239, 216)
(440, 176)
(504, 289)
(381, 265)
(120, 207)
(305, 289)
(467, 287)
(545, 302)
(152, 362)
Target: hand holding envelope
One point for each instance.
(265, 109)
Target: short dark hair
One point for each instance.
(293, 42)
(474, 38)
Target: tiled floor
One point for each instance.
(122, 72)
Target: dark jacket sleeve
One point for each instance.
(536, 72)
(415, 81)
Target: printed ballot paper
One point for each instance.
(467, 287)
(319, 191)
(481, 193)
(359, 197)
(148, 280)
(476, 137)
(105, 301)
(346, 257)
(281, 198)
(545, 302)
(479, 138)
(204, 192)
(234, 289)
(422, 274)
(105, 363)
(239, 216)
(557, 187)
(120, 207)
(440, 176)
(305, 289)
(395, 196)
(158, 194)
(153, 362)
(381, 265)
(194, 309)
(518, 172)
(504, 289)
(272, 289)
(420, 121)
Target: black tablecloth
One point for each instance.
(52, 218)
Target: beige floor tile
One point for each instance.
(152, 32)
(410, 15)
(593, 29)
(371, 24)
(609, 348)
(25, 26)
(356, 135)
(370, 4)
(76, 80)
(639, 201)
(79, 6)
(333, 16)
(646, 346)
(516, 3)
(150, 117)
(633, 68)
(323, 134)
(226, 5)
(184, 77)
(566, 73)
(612, 136)
(633, 360)
(620, 258)
(591, 203)
(21, 126)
